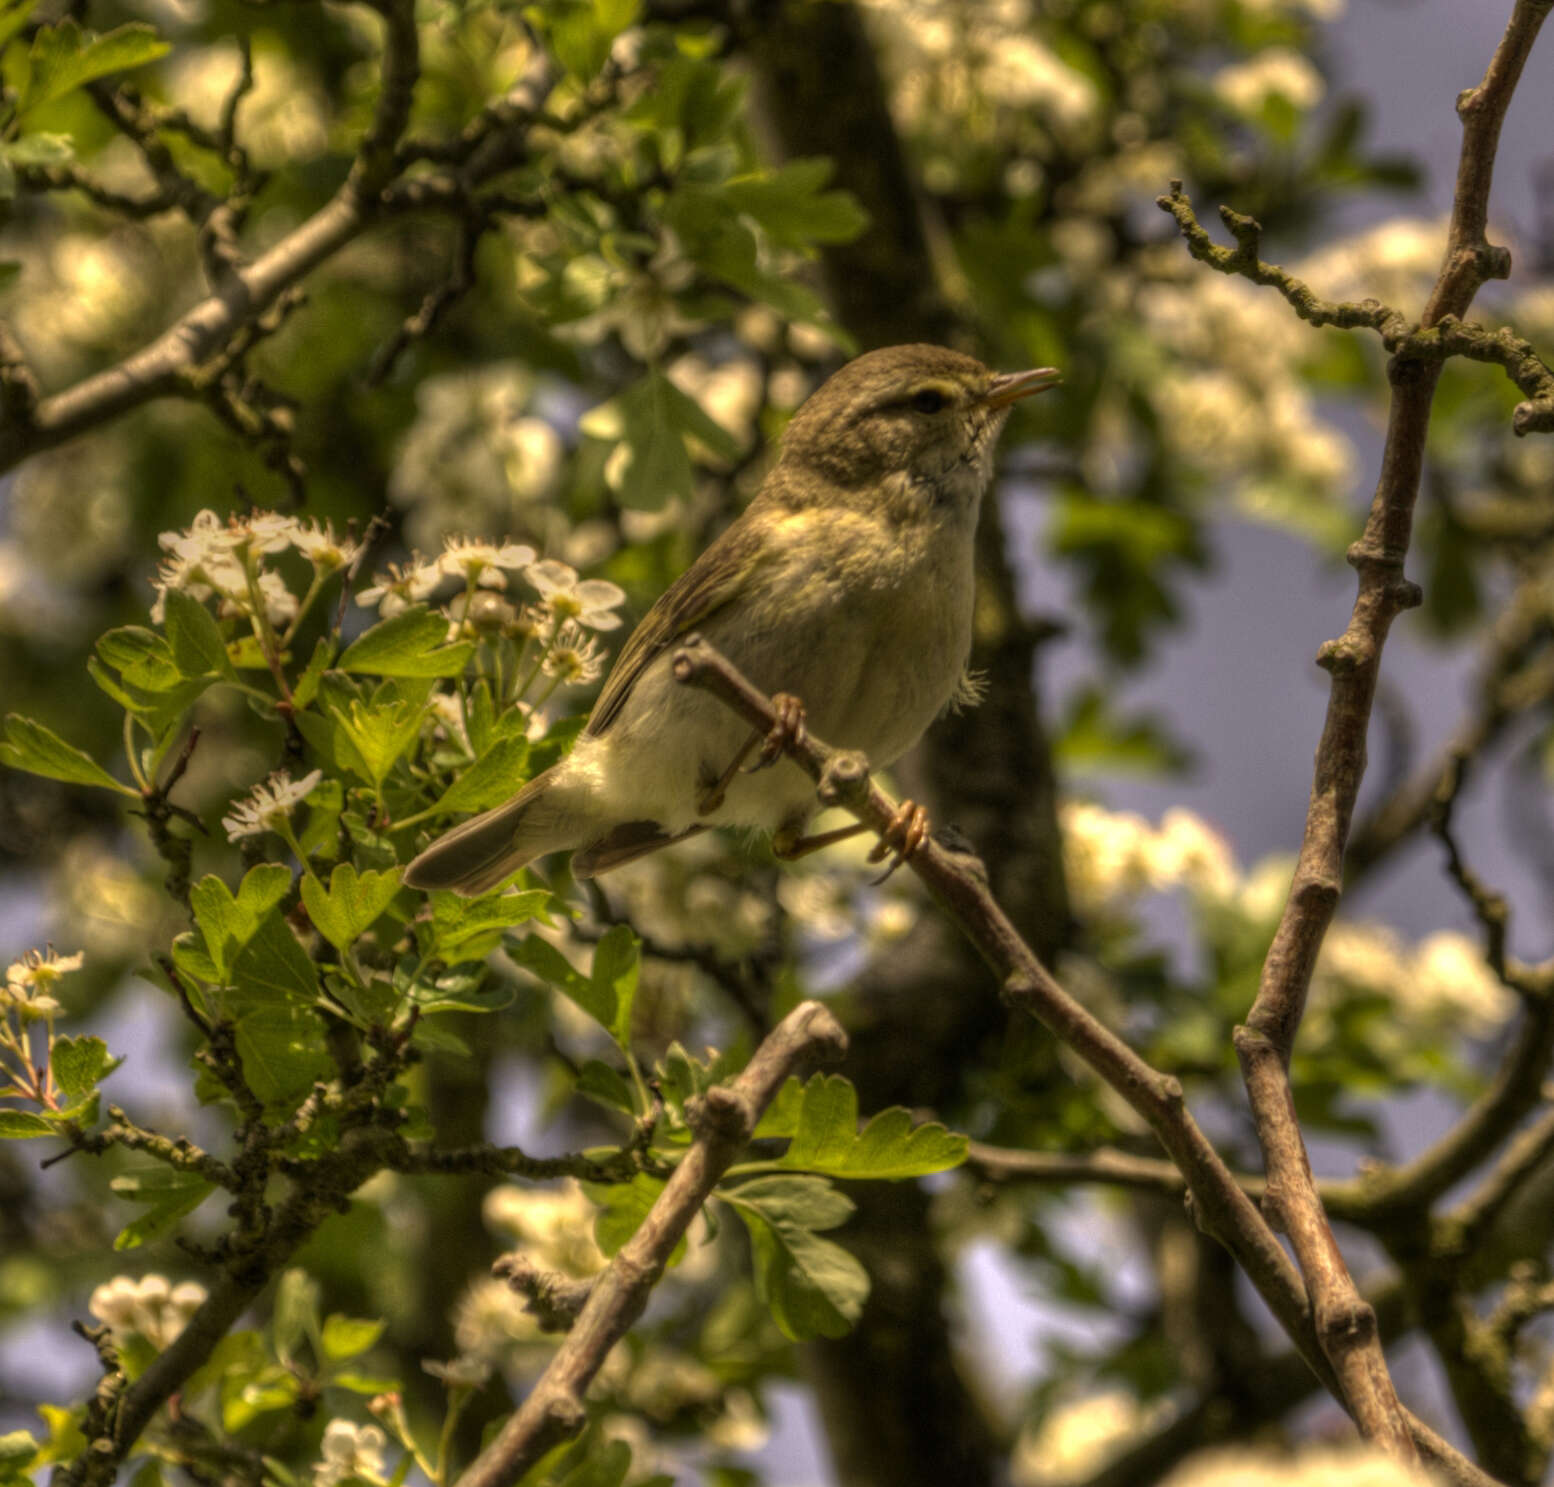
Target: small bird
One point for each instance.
(844, 591)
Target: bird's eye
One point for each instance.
(929, 400)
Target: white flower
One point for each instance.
(280, 604)
(589, 601)
(1077, 1439)
(1023, 73)
(264, 531)
(490, 1321)
(1187, 852)
(483, 563)
(30, 982)
(1276, 72)
(400, 587)
(818, 902)
(325, 551)
(741, 1426)
(151, 1307)
(1452, 977)
(1354, 1465)
(575, 658)
(460, 1372)
(349, 1450)
(269, 804)
(1105, 853)
(1396, 262)
(555, 1227)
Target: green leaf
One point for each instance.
(280, 1041)
(303, 693)
(498, 773)
(582, 32)
(171, 1195)
(1094, 736)
(656, 418)
(598, 1082)
(195, 637)
(814, 1288)
(348, 1337)
(410, 644)
(23, 1125)
(607, 992)
(471, 928)
(351, 903)
(229, 923)
(63, 57)
(41, 150)
(321, 836)
(379, 732)
(13, 16)
(141, 657)
(38, 750)
(605, 1467)
(274, 962)
(80, 1065)
(792, 208)
(827, 1138)
(622, 1207)
(17, 1447)
(294, 1319)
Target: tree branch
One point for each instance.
(959, 885)
(554, 1409)
(159, 369)
(1345, 1324)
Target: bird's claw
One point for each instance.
(787, 731)
(904, 833)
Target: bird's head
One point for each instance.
(912, 425)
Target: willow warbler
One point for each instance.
(846, 584)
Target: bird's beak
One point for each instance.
(1010, 387)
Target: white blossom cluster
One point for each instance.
(1232, 401)
(1076, 1439)
(1112, 858)
(350, 1451)
(1356, 1465)
(553, 1226)
(30, 983)
(474, 459)
(1275, 72)
(224, 559)
(150, 1307)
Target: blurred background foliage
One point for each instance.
(594, 354)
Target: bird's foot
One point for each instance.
(904, 833)
(788, 845)
(787, 731)
(712, 791)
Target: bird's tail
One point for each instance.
(473, 858)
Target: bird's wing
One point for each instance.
(715, 578)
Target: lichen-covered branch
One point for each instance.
(1428, 341)
(554, 1409)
